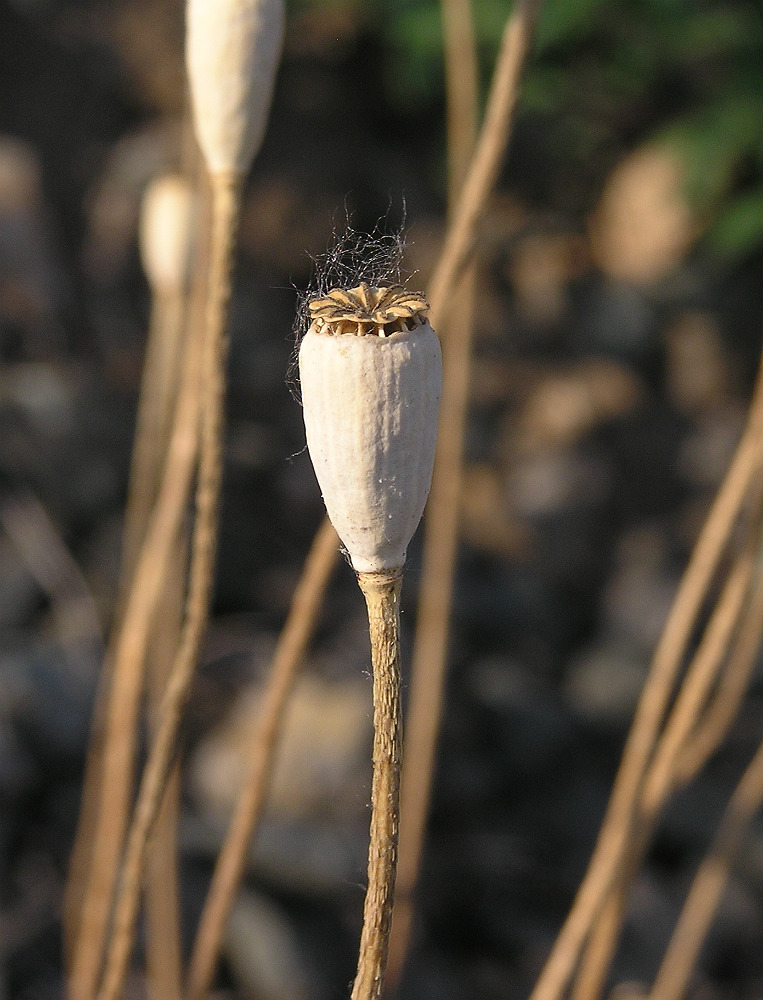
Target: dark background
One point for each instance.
(618, 330)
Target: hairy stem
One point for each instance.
(226, 193)
(382, 594)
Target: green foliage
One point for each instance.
(612, 74)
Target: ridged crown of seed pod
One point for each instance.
(167, 221)
(232, 51)
(371, 373)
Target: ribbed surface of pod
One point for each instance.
(232, 51)
(371, 406)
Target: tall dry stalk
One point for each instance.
(289, 653)
(115, 765)
(226, 191)
(382, 594)
(660, 780)
(166, 236)
(481, 177)
(150, 552)
(708, 885)
(441, 525)
(616, 829)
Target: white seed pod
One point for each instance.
(371, 373)
(167, 224)
(232, 51)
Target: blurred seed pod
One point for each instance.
(232, 52)
(167, 230)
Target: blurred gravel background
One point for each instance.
(617, 340)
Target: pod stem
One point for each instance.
(382, 594)
(226, 195)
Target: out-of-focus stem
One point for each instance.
(441, 525)
(113, 767)
(488, 156)
(660, 780)
(382, 594)
(708, 885)
(668, 657)
(101, 825)
(226, 196)
(289, 654)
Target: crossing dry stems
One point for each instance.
(614, 837)
(481, 176)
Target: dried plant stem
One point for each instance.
(101, 825)
(441, 526)
(708, 885)
(163, 933)
(486, 163)
(311, 591)
(157, 395)
(615, 830)
(113, 767)
(382, 594)
(660, 780)
(226, 196)
(289, 653)
(158, 399)
(163, 925)
(716, 720)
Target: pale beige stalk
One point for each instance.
(231, 861)
(668, 657)
(430, 647)
(382, 594)
(226, 196)
(150, 553)
(712, 728)
(124, 667)
(708, 885)
(660, 779)
(171, 253)
(166, 243)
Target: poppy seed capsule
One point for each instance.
(232, 51)
(371, 373)
(167, 220)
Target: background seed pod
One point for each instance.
(232, 51)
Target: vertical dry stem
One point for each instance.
(615, 830)
(225, 191)
(382, 594)
(486, 163)
(482, 174)
(708, 885)
(288, 656)
(101, 825)
(430, 648)
(113, 767)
